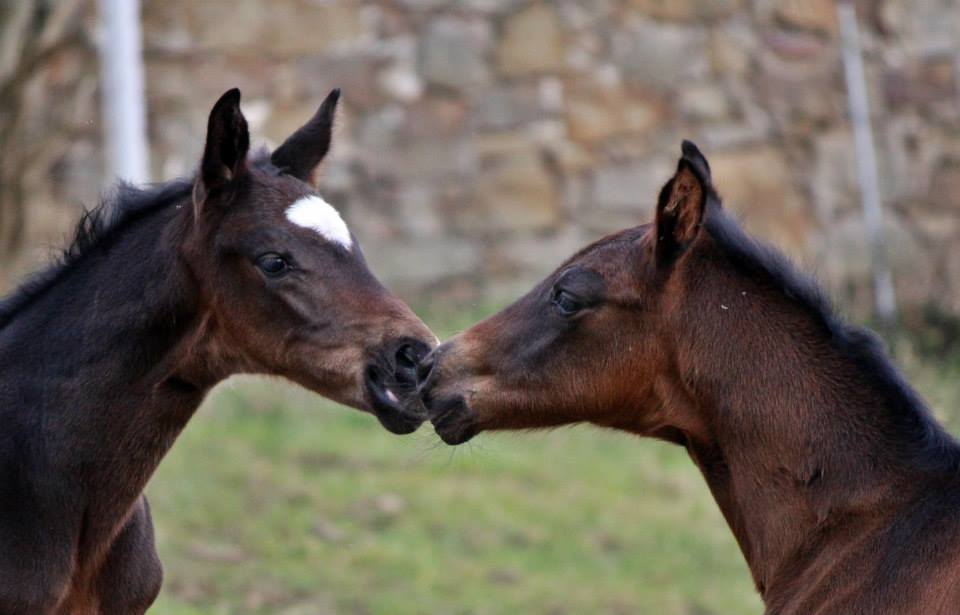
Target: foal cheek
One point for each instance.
(471, 354)
(339, 363)
(330, 371)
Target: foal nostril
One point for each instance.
(407, 357)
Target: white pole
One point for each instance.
(124, 109)
(885, 299)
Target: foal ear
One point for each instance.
(682, 203)
(228, 139)
(301, 153)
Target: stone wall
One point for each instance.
(482, 141)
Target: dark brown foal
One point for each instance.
(841, 489)
(105, 357)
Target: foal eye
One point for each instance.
(272, 265)
(565, 303)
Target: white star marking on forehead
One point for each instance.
(314, 213)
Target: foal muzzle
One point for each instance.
(390, 382)
(454, 421)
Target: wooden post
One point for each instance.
(124, 109)
(884, 298)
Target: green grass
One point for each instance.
(276, 501)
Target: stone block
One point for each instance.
(661, 56)
(422, 263)
(929, 84)
(910, 151)
(705, 102)
(417, 213)
(540, 254)
(632, 187)
(816, 15)
(453, 52)
(761, 186)
(834, 183)
(847, 256)
(595, 113)
(244, 27)
(532, 42)
(731, 48)
(945, 188)
(513, 191)
(687, 10)
(507, 107)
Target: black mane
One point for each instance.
(760, 260)
(909, 415)
(96, 228)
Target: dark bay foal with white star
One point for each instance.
(164, 293)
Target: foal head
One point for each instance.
(596, 341)
(284, 285)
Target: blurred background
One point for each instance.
(479, 143)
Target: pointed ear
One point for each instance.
(682, 204)
(228, 140)
(302, 152)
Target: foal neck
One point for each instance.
(809, 440)
(101, 366)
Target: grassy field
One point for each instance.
(275, 501)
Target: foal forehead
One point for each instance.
(613, 253)
(314, 213)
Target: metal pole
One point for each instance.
(123, 106)
(885, 299)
